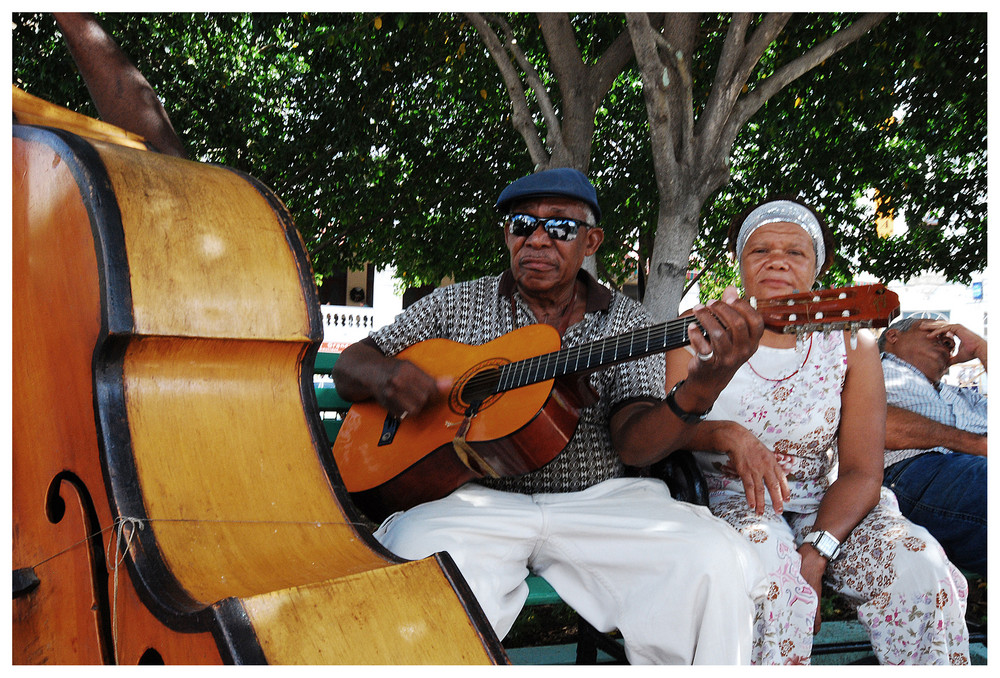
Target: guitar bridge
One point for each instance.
(465, 453)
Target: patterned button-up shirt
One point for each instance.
(908, 388)
(479, 311)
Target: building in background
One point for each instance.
(363, 301)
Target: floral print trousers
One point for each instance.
(908, 596)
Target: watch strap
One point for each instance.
(680, 413)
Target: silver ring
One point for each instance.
(705, 357)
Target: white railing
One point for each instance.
(344, 325)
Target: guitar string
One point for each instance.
(524, 372)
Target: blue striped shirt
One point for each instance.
(908, 388)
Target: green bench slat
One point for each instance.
(540, 592)
(328, 399)
(325, 362)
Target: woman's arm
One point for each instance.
(861, 444)
(749, 458)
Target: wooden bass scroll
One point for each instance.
(174, 496)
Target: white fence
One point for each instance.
(344, 325)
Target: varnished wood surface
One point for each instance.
(30, 110)
(197, 314)
(55, 328)
(355, 621)
(207, 255)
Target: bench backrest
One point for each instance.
(331, 406)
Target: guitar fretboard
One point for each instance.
(581, 359)
(590, 357)
(844, 308)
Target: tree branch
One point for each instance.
(612, 62)
(678, 39)
(658, 110)
(774, 83)
(535, 82)
(732, 49)
(736, 63)
(564, 53)
(520, 115)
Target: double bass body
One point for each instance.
(175, 498)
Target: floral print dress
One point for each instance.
(908, 596)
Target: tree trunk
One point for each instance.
(676, 228)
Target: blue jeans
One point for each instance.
(946, 493)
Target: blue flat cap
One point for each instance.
(562, 182)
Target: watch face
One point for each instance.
(826, 544)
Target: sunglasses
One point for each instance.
(558, 228)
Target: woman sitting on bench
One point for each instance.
(770, 451)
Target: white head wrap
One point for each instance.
(778, 211)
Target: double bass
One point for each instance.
(175, 499)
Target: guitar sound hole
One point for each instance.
(478, 385)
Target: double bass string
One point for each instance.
(121, 521)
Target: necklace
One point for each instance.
(790, 375)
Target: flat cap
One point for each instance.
(562, 182)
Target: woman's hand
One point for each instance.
(754, 463)
(812, 567)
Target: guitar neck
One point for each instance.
(847, 308)
(594, 356)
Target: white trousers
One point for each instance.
(679, 584)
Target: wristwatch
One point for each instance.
(824, 542)
(686, 417)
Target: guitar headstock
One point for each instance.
(843, 308)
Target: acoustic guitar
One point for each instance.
(512, 404)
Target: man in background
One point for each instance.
(935, 457)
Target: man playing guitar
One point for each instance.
(677, 583)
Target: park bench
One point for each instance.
(838, 642)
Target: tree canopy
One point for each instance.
(389, 136)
